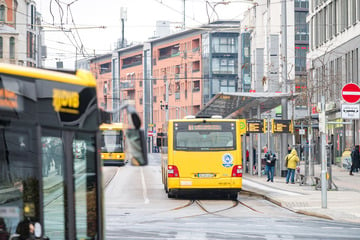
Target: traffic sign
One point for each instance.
(351, 93)
(350, 111)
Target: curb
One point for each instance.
(279, 203)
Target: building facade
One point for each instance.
(175, 75)
(262, 55)
(19, 33)
(332, 62)
(101, 68)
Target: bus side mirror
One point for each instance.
(136, 147)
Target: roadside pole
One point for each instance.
(322, 128)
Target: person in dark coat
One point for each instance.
(270, 159)
(355, 159)
(4, 234)
(24, 231)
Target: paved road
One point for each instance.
(137, 207)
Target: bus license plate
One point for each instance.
(205, 175)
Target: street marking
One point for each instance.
(146, 199)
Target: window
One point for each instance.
(195, 45)
(196, 86)
(2, 13)
(224, 44)
(105, 68)
(196, 66)
(223, 85)
(12, 48)
(224, 66)
(300, 57)
(1, 47)
(301, 3)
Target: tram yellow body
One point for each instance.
(203, 155)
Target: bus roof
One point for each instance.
(111, 126)
(80, 77)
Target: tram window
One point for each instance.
(85, 187)
(53, 185)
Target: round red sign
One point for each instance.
(351, 93)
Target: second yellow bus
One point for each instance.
(112, 144)
(203, 155)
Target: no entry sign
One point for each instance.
(351, 93)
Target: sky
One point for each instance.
(75, 29)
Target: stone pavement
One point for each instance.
(341, 205)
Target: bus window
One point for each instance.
(188, 137)
(18, 175)
(85, 188)
(53, 185)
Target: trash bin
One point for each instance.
(283, 173)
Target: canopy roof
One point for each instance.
(239, 104)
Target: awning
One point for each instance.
(239, 104)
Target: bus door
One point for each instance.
(79, 214)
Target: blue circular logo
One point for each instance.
(227, 160)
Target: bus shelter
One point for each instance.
(246, 105)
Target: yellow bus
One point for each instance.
(49, 159)
(112, 144)
(203, 155)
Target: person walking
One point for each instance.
(355, 159)
(270, 159)
(292, 159)
(4, 234)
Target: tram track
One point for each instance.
(206, 211)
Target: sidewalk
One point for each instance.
(342, 205)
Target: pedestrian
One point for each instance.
(24, 231)
(4, 234)
(355, 159)
(247, 160)
(291, 159)
(270, 159)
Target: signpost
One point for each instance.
(351, 93)
(350, 111)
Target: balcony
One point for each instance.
(127, 85)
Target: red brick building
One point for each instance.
(101, 68)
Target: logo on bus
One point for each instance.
(227, 160)
(66, 101)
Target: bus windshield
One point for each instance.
(112, 141)
(200, 136)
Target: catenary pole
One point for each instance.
(284, 100)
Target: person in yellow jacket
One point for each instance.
(291, 159)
